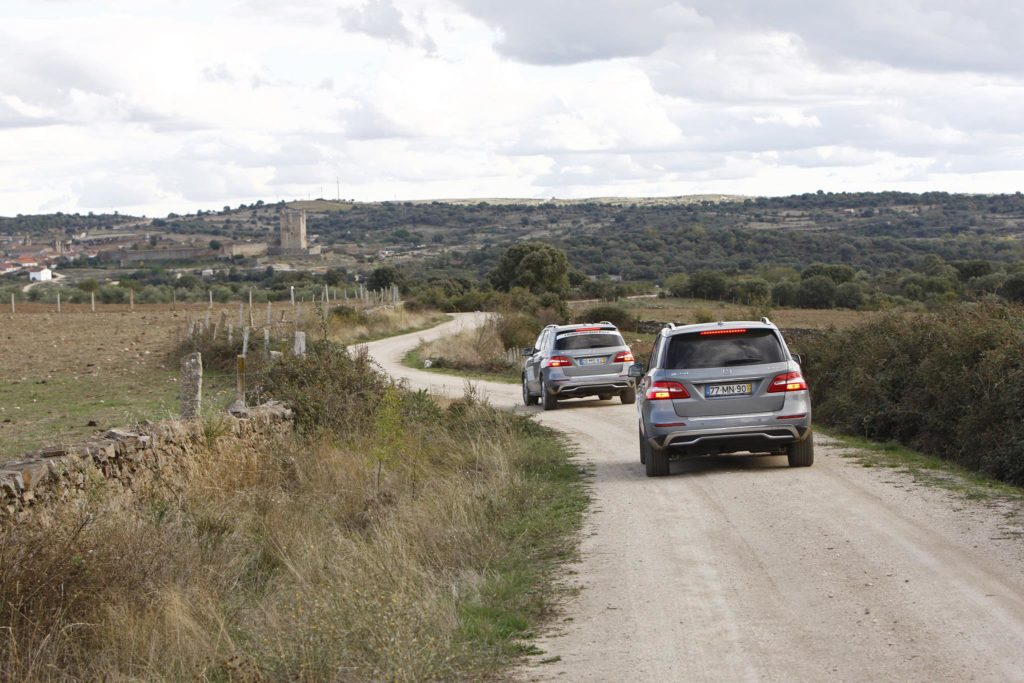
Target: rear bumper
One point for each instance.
(731, 439)
(569, 387)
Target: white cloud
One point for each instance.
(173, 105)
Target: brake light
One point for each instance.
(557, 362)
(729, 331)
(588, 329)
(661, 391)
(790, 381)
(623, 357)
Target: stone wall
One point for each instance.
(130, 458)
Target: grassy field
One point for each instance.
(65, 376)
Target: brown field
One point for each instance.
(687, 311)
(64, 376)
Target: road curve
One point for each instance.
(742, 569)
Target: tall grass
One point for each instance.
(411, 542)
(949, 383)
(350, 325)
(480, 350)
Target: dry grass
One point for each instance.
(416, 548)
(478, 350)
(350, 326)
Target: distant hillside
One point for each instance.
(635, 238)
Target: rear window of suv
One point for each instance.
(576, 341)
(751, 347)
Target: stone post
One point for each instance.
(245, 342)
(300, 344)
(58, 301)
(92, 301)
(12, 302)
(131, 299)
(240, 381)
(191, 386)
(266, 341)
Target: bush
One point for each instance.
(616, 315)
(949, 383)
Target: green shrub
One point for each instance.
(616, 315)
(949, 383)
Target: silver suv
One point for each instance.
(570, 361)
(722, 387)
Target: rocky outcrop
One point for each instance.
(128, 457)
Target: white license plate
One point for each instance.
(592, 361)
(715, 390)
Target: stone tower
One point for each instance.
(293, 230)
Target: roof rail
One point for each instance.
(670, 326)
(765, 320)
(606, 322)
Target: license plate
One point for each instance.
(592, 361)
(716, 390)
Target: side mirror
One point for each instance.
(796, 357)
(636, 370)
(529, 351)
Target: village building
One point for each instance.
(40, 274)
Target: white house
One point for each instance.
(40, 274)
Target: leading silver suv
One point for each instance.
(570, 361)
(722, 387)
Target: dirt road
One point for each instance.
(742, 569)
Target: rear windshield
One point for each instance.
(575, 341)
(727, 350)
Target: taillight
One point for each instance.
(557, 362)
(661, 391)
(623, 357)
(790, 381)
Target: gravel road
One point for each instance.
(742, 569)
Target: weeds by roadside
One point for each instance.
(393, 539)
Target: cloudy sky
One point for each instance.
(176, 105)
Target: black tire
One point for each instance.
(604, 397)
(528, 398)
(801, 453)
(549, 401)
(644, 448)
(655, 459)
(628, 396)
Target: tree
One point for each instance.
(534, 266)
(382, 278)
(708, 284)
(676, 285)
(837, 273)
(849, 295)
(1013, 288)
(817, 292)
(215, 245)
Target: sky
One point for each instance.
(177, 105)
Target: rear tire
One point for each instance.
(628, 396)
(644, 447)
(528, 398)
(547, 398)
(801, 453)
(655, 459)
